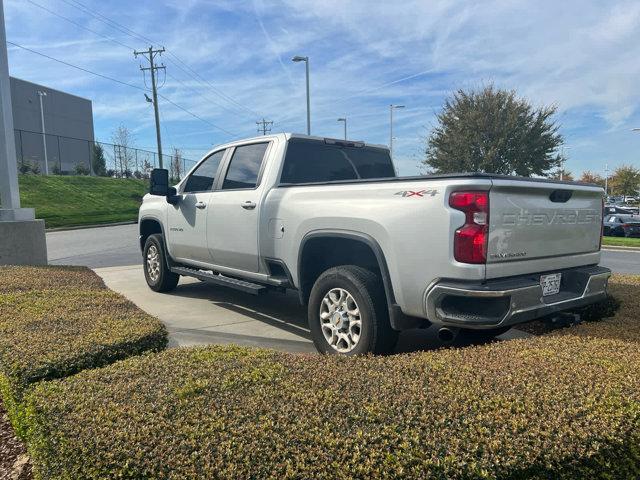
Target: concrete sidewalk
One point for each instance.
(197, 313)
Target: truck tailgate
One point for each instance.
(538, 220)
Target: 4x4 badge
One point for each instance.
(419, 193)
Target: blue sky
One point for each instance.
(582, 56)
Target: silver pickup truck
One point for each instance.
(370, 253)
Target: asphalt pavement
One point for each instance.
(95, 247)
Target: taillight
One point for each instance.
(470, 240)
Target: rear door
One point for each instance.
(537, 220)
(234, 209)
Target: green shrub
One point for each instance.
(548, 407)
(56, 321)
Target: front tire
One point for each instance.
(348, 313)
(156, 270)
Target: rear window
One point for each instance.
(309, 161)
(245, 166)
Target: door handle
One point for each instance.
(248, 205)
(201, 205)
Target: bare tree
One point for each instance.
(176, 164)
(124, 151)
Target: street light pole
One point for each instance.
(298, 58)
(392, 107)
(344, 119)
(41, 94)
(606, 179)
(636, 130)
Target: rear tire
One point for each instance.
(156, 269)
(348, 313)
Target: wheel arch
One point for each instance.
(361, 249)
(147, 226)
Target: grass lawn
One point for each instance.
(79, 200)
(621, 241)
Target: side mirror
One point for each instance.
(159, 184)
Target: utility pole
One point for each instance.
(264, 126)
(41, 94)
(150, 56)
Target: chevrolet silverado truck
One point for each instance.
(370, 253)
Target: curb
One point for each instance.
(619, 248)
(95, 225)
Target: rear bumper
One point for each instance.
(513, 300)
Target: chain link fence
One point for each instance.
(60, 155)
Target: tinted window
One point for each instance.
(245, 166)
(315, 161)
(201, 180)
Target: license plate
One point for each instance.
(550, 284)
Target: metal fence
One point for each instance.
(74, 156)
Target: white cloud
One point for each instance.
(365, 54)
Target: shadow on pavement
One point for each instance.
(283, 311)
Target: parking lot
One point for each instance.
(198, 313)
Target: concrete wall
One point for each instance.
(68, 123)
(23, 243)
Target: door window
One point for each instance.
(245, 166)
(202, 178)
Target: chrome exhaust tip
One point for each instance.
(446, 335)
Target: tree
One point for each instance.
(590, 177)
(562, 174)
(176, 164)
(625, 180)
(146, 168)
(124, 150)
(491, 130)
(98, 161)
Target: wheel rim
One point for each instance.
(153, 263)
(340, 320)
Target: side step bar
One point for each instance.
(247, 287)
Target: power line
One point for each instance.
(196, 116)
(183, 66)
(192, 90)
(214, 88)
(112, 23)
(80, 25)
(106, 77)
(110, 39)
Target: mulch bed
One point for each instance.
(14, 462)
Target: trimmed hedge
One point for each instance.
(56, 321)
(560, 406)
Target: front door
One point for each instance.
(187, 219)
(234, 213)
